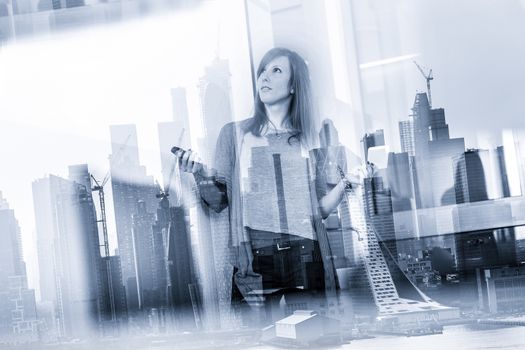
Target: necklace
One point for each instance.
(277, 132)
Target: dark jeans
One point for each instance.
(290, 266)
(287, 261)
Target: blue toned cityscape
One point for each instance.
(111, 237)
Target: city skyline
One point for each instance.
(436, 231)
(159, 179)
(62, 129)
(121, 142)
(85, 128)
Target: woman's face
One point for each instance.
(273, 84)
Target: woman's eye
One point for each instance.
(277, 70)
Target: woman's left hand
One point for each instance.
(246, 260)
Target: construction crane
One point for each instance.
(165, 205)
(166, 191)
(99, 187)
(428, 78)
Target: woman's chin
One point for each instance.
(273, 101)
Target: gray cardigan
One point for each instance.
(223, 189)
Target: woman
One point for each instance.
(263, 175)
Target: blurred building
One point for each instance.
(485, 249)
(502, 167)
(130, 184)
(148, 248)
(400, 181)
(176, 133)
(374, 139)
(502, 290)
(378, 204)
(216, 104)
(406, 134)
(433, 149)
(185, 297)
(476, 251)
(106, 268)
(68, 254)
(209, 230)
(470, 183)
(112, 322)
(18, 318)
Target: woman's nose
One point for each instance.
(264, 77)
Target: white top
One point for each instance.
(275, 179)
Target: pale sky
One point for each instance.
(60, 94)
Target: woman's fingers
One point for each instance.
(193, 162)
(189, 161)
(252, 273)
(184, 160)
(244, 261)
(243, 268)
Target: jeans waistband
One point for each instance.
(267, 239)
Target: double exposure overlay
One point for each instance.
(262, 174)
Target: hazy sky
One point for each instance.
(474, 47)
(59, 94)
(477, 50)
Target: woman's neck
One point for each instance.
(277, 113)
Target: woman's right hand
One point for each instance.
(189, 161)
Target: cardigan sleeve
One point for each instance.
(213, 189)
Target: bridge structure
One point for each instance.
(393, 312)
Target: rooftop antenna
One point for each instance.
(428, 78)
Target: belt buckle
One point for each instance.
(279, 247)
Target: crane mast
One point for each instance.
(428, 77)
(163, 196)
(100, 189)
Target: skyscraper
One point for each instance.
(406, 134)
(111, 269)
(374, 139)
(68, 253)
(378, 208)
(129, 184)
(216, 103)
(21, 6)
(180, 114)
(470, 181)
(176, 133)
(433, 149)
(399, 175)
(214, 270)
(110, 292)
(500, 154)
(148, 253)
(59, 4)
(184, 297)
(18, 319)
